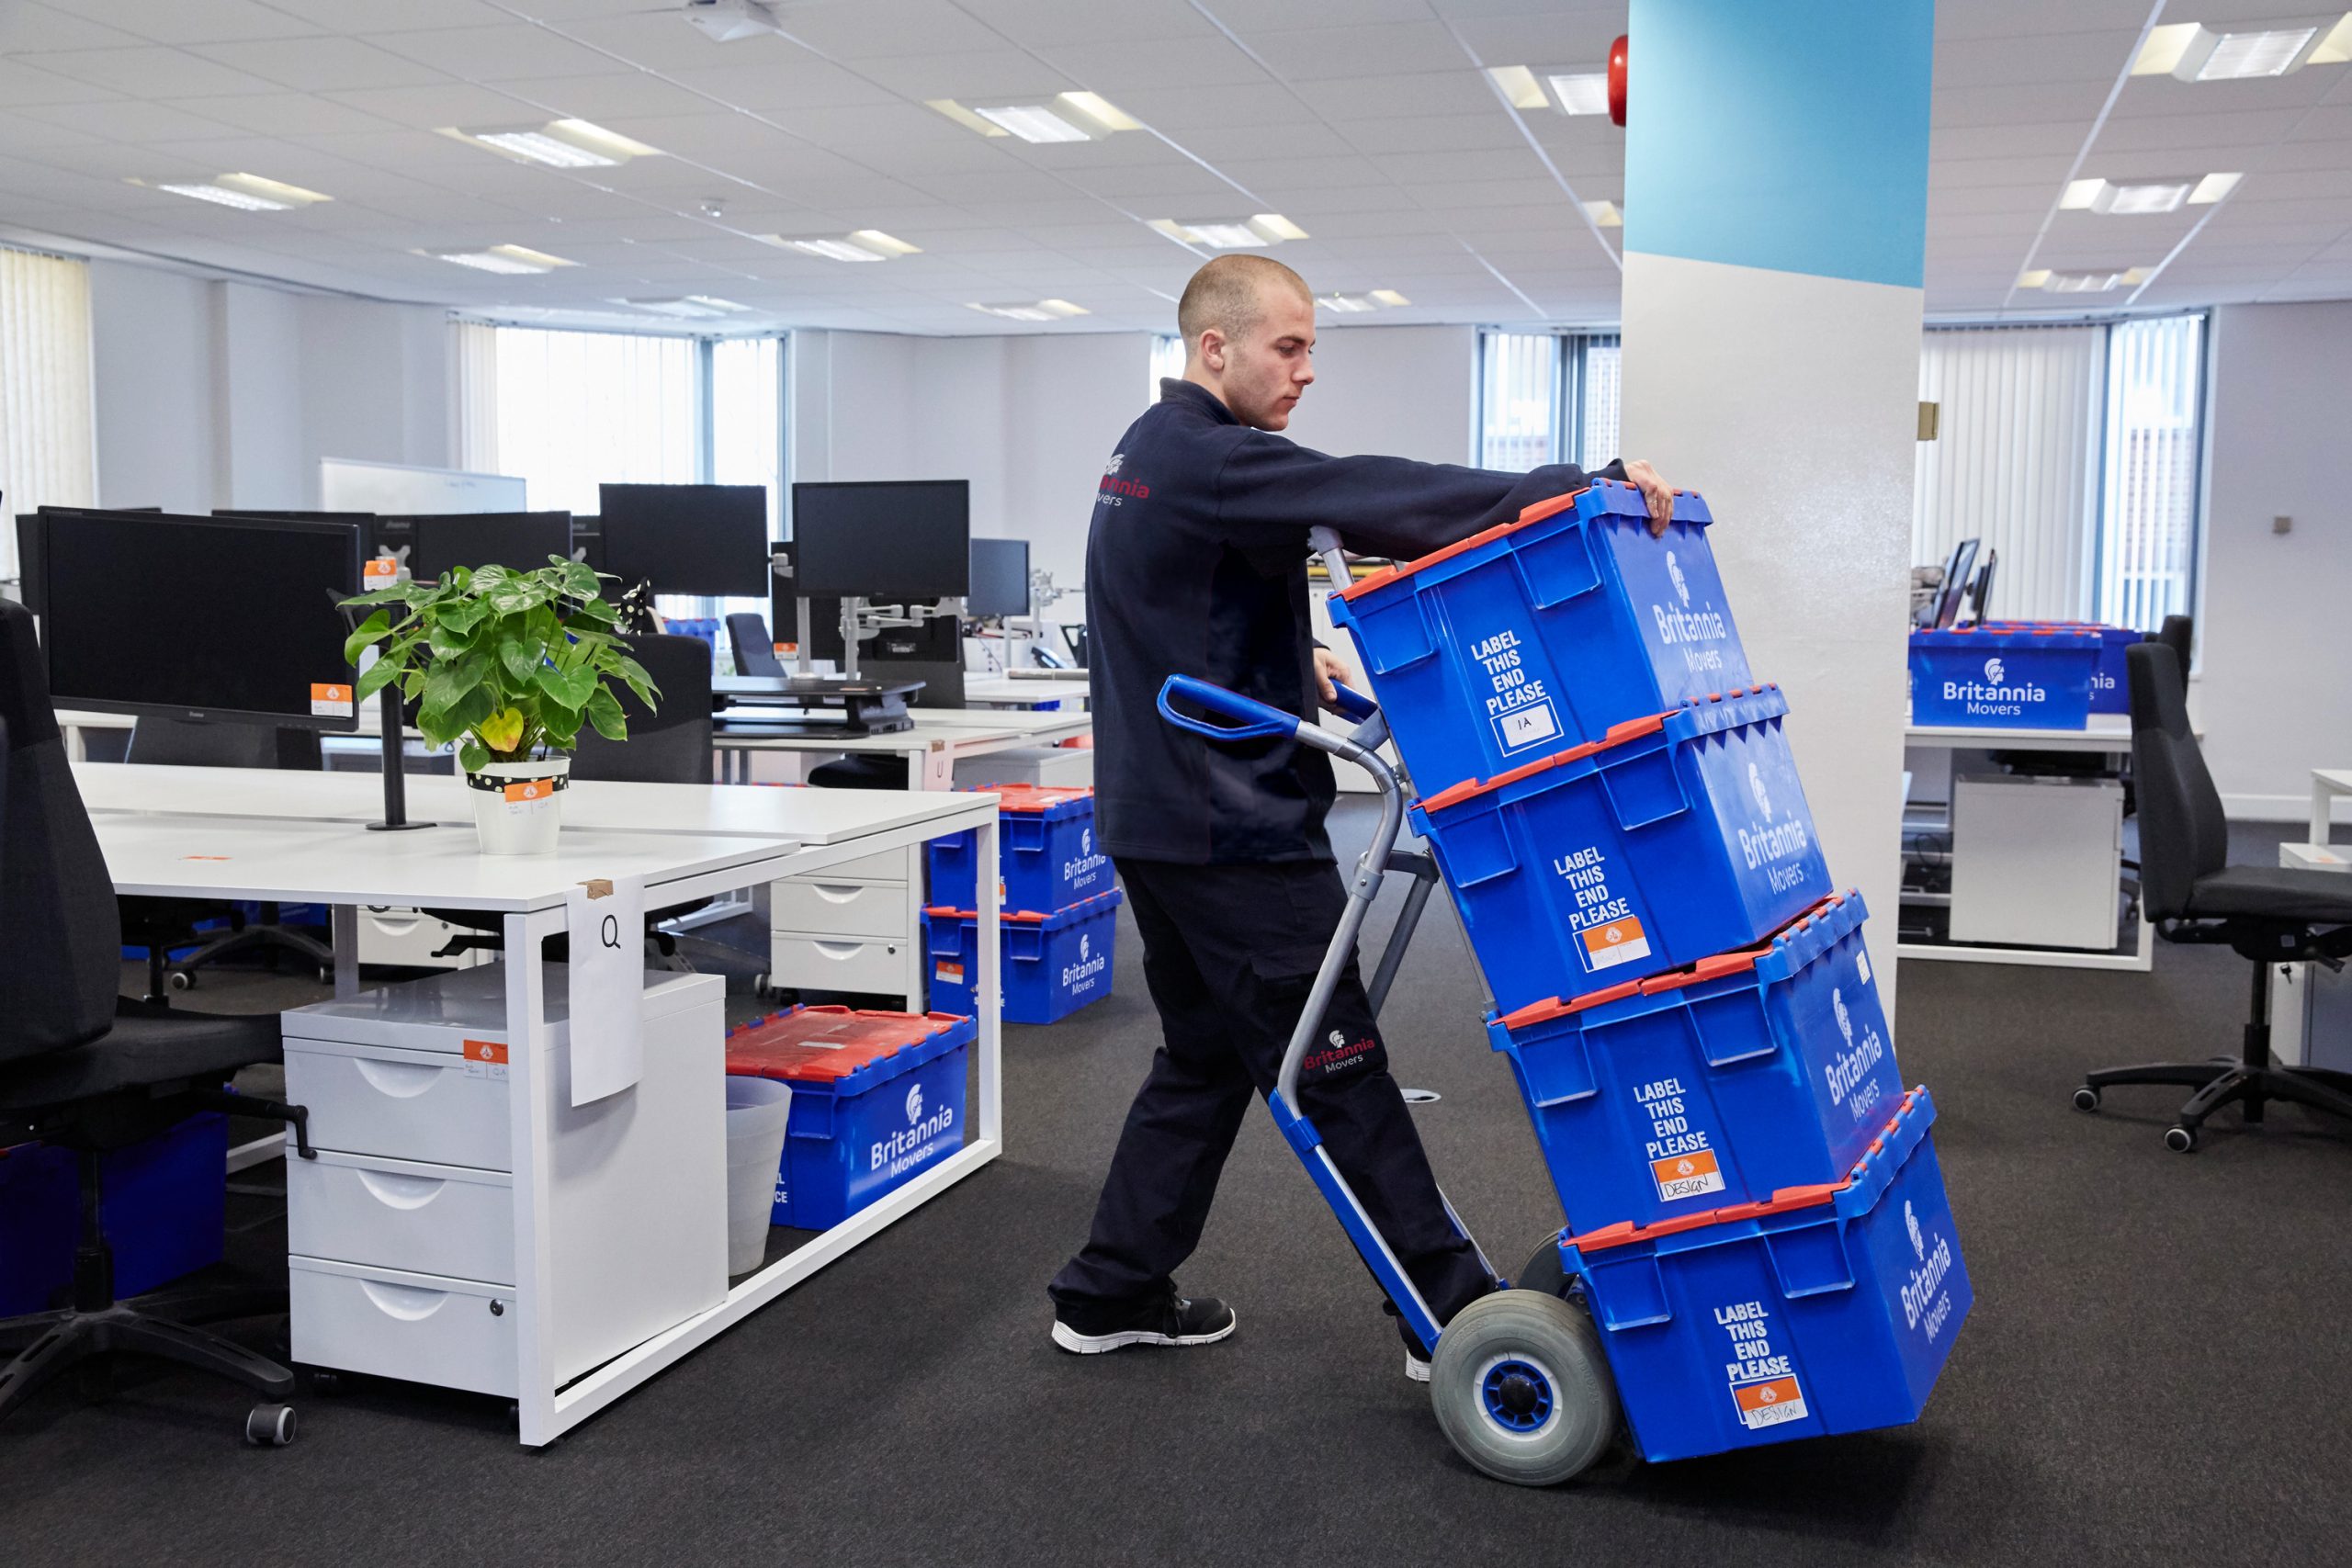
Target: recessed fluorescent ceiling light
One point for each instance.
(2098, 280)
(1348, 304)
(1042, 310)
(2335, 49)
(1586, 92)
(1604, 214)
(1227, 234)
(2133, 197)
(1034, 122)
(1389, 296)
(505, 260)
(2195, 53)
(560, 144)
(1519, 84)
(246, 193)
(693, 307)
(2212, 188)
(1101, 111)
(861, 245)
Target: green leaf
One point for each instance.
(520, 663)
(449, 641)
(638, 681)
(605, 712)
(463, 616)
(374, 679)
(470, 755)
(570, 689)
(374, 626)
(561, 728)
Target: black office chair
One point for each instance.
(160, 925)
(754, 648)
(2174, 634)
(88, 1070)
(2265, 914)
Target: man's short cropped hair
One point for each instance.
(1224, 295)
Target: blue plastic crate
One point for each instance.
(1993, 678)
(1046, 857)
(1538, 636)
(1054, 963)
(2110, 688)
(877, 1099)
(1718, 1084)
(1682, 836)
(164, 1209)
(1830, 1309)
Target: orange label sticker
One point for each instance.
(380, 571)
(1687, 1176)
(330, 700)
(485, 1059)
(953, 974)
(1621, 941)
(529, 789)
(1768, 1403)
(204, 857)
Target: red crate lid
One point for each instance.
(821, 1044)
(1037, 797)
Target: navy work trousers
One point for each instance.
(1230, 952)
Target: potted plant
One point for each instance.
(509, 665)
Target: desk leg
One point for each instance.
(989, 990)
(343, 923)
(2323, 811)
(530, 1091)
(77, 745)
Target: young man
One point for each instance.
(1196, 565)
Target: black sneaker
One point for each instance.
(1417, 1360)
(1090, 1329)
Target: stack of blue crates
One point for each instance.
(1685, 998)
(1060, 908)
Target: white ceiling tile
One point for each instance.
(357, 16)
(1491, 133)
(1114, 70)
(149, 70)
(456, 103)
(877, 28)
(26, 27)
(285, 114)
(494, 53)
(320, 64)
(205, 21)
(133, 120)
(601, 98)
(1311, 54)
(800, 82)
(1051, 25)
(991, 78)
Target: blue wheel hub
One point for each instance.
(1517, 1395)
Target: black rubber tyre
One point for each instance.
(1543, 1273)
(269, 1426)
(2180, 1140)
(1522, 1389)
(2087, 1099)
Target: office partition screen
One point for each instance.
(889, 541)
(522, 540)
(199, 618)
(999, 577)
(702, 539)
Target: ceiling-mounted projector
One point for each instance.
(724, 21)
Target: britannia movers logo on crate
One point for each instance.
(1849, 1071)
(1990, 697)
(1608, 932)
(1517, 705)
(1681, 1163)
(1773, 840)
(1088, 865)
(1696, 634)
(1926, 1305)
(1763, 1385)
(1080, 976)
(913, 1144)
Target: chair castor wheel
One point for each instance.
(269, 1426)
(181, 979)
(2180, 1140)
(2087, 1099)
(326, 974)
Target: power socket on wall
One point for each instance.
(2282, 524)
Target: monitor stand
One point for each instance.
(395, 818)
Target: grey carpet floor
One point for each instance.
(2155, 1369)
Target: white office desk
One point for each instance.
(80, 724)
(315, 857)
(2104, 732)
(1010, 691)
(941, 737)
(2326, 785)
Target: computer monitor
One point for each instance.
(199, 618)
(889, 541)
(441, 542)
(700, 539)
(1956, 570)
(999, 577)
(1980, 593)
(588, 539)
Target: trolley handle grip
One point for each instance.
(1352, 703)
(1257, 720)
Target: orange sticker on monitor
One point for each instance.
(1622, 941)
(330, 699)
(380, 571)
(1687, 1176)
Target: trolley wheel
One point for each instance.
(1521, 1389)
(1544, 1273)
(326, 974)
(2180, 1140)
(2087, 1099)
(180, 979)
(269, 1426)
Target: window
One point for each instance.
(47, 451)
(580, 409)
(1166, 363)
(1548, 398)
(2147, 532)
(747, 418)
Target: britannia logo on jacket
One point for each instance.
(1117, 459)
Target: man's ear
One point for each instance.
(1213, 350)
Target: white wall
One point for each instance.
(212, 393)
(2271, 693)
(1401, 392)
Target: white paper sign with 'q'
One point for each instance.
(607, 930)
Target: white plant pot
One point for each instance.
(519, 807)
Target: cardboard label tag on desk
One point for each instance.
(606, 919)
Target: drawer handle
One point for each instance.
(404, 1301)
(395, 1191)
(839, 951)
(402, 1080)
(836, 892)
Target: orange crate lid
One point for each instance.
(821, 1044)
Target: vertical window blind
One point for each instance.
(2147, 556)
(2014, 460)
(1548, 398)
(48, 454)
(574, 410)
